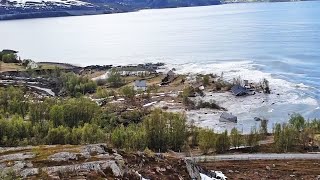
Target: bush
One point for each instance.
(101, 82)
(115, 79)
(58, 135)
(128, 92)
(75, 85)
(206, 140)
(10, 58)
(206, 80)
(222, 142)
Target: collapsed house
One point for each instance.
(227, 117)
(238, 90)
(170, 77)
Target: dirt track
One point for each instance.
(267, 156)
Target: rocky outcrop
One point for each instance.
(97, 166)
(94, 161)
(63, 156)
(17, 157)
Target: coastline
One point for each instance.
(270, 106)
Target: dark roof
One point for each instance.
(238, 90)
(228, 117)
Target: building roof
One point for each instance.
(228, 117)
(238, 90)
(140, 83)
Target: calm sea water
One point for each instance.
(279, 41)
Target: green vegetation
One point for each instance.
(296, 134)
(8, 57)
(76, 86)
(206, 80)
(79, 120)
(115, 79)
(207, 140)
(128, 92)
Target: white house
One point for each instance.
(140, 85)
(32, 65)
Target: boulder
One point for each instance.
(18, 165)
(29, 172)
(93, 149)
(98, 166)
(63, 156)
(17, 157)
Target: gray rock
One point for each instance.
(54, 177)
(6, 149)
(89, 166)
(2, 165)
(63, 156)
(103, 156)
(29, 165)
(29, 172)
(230, 171)
(18, 165)
(17, 157)
(117, 157)
(93, 149)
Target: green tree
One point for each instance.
(56, 115)
(102, 93)
(91, 133)
(118, 137)
(165, 130)
(114, 78)
(286, 137)
(9, 58)
(206, 140)
(75, 136)
(58, 135)
(297, 121)
(128, 92)
(235, 138)
(222, 142)
(252, 139)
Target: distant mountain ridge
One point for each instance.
(25, 9)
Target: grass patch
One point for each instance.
(43, 152)
(11, 67)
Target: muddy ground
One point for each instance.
(267, 169)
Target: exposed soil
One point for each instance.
(267, 169)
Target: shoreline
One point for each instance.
(168, 95)
(272, 106)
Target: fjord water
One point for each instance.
(279, 41)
